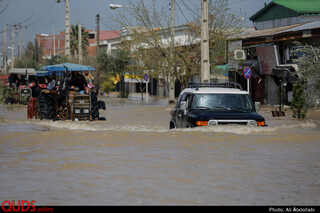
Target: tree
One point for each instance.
(74, 39)
(112, 66)
(298, 104)
(30, 57)
(178, 59)
(308, 60)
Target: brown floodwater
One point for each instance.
(134, 159)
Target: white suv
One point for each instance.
(203, 104)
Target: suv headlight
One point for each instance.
(252, 123)
(212, 123)
(77, 111)
(86, 111)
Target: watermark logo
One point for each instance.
(18, 206)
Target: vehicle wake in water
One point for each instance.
(105, 126)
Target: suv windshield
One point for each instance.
(222, 101)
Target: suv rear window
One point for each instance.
(222, 101)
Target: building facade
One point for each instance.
(51, 45)
(269, 49)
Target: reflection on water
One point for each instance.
(133, 158)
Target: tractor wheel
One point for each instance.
(46, 107)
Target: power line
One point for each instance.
(236, 2)
(182, 11)
(190, 9)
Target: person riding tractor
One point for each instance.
(67, 99)
(17, 90)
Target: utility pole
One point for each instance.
(12, 48)
(172, 22)
(54, 40)
(80, 42)
(36, 58)
(98, 32)
(19, 49)
(171, 77)
(67, 31)
(5, 49)
(205, 62)
(97, 73)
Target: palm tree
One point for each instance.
(74, 39)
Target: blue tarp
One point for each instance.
(43, 73)
(67, 67)
(54, 68)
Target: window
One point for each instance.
(222, 101)
(92, 36)
(186, 97)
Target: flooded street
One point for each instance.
(134, 159)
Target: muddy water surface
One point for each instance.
(134, 159)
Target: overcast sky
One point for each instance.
(38, 16)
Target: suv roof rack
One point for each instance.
(223, 85)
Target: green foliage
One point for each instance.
(282, 98)
(111, 66)
(309, 63)
(56, 60)
(108, 85)
(74, 39)
(23, 63)
(298, 104)
(2, 98)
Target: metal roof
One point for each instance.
(280, 30)
(300, 6)
(305, 26)
(275, 9)
(266, 32)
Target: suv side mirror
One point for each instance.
(257, 105)
(183, 105)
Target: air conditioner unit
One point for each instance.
(240, 55)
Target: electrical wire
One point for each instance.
(181, 12)
(190, 9)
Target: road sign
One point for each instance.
(247, 72)
(146, 77)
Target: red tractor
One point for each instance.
(63, 102)
(17, 90)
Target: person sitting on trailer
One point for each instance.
(52, 83)
(12, 80)
(89, 78)
(79, 81)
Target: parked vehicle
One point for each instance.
(208, 104)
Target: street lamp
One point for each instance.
(172, 28)
(115, 6)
